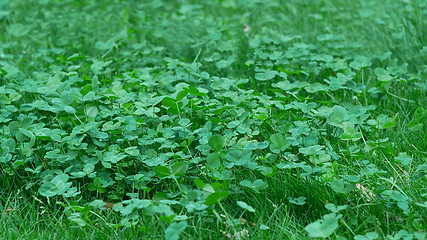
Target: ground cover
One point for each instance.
(224, 119)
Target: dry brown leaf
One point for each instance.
(9, 209)
(247, 28)
(109, 206)
(369, 196)
(239, 235)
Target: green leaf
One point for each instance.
(337, 117)
(168, 219)
(78, 174)
(105, 45)
(238, 157)
(91, 110)
(134, 204)
(352, 178)
(214, 160)
(79, 221)
(391, 123)
(113, 157)
(263, 227)
(297, 201)
(56, 186)
(324, 227)
(185, 122)
(106, 164)
(179, 169)
(18, 30)
(311, 150)
(349, 132)
(6, 158)
(8, 145)
(383, 75)
(216, 142)
(246, 183)
(181, 95)
(223, 63)
(162, 171)
(351, 136)
(133, 151)
(404, 206)
(224, 175)
(260, 184)
(316, 87)
(171, 105)
(403, 158)
(360, 62)
(216, 197)
(339, 186)
(277, 139)
(368, 236)
(257, 185)
(199, 183)
(69, 109)
(245, 206)
(333, 208)
(173, 231)
(320, 158)
(395, 195)
(278, 143)
(169, 102)
(14, 96)
(208, 189)
(88, 168)
(264, 76)
(27, 133)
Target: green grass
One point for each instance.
(194, 120)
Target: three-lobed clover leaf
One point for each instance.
(278, 143)
(324, 227)
(216, 142)
(57, 186)
(267, 75)
(174, 229)
(245, 206)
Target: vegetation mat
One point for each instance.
(222, 119)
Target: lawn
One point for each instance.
(222, 119)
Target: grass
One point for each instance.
(213, 120)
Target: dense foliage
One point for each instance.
(206, 119)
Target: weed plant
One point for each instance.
(232, 119)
